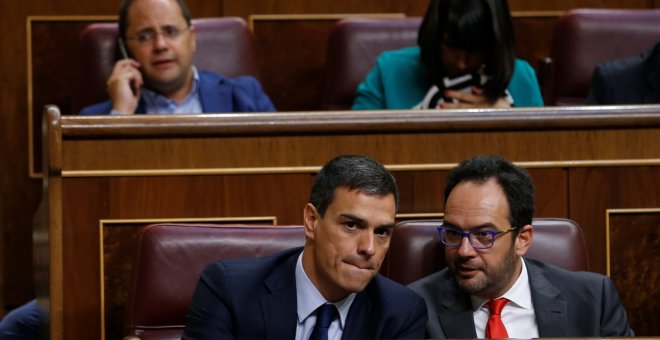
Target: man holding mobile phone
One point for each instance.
(157, 75)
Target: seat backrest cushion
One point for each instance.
(353, 47)
(584, 38)
(416, 250)
(170, 258)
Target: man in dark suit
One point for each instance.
(348, 224)
(489, 290)
(633, 80)
(157, 75)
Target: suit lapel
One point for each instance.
(359, 323)
(279, 302)
(455, 312)
(214, 94)
(549, 307)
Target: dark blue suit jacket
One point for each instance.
(217, 94)
(566, 304)
(634, 80)
(256, 299)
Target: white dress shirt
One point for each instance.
(518, 314)
(309, 299)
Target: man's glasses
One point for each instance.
(149, 36)
(479, 239)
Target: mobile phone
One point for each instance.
(124, 55)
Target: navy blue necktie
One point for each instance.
(324, 316)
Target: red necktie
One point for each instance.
(495, 328)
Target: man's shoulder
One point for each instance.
(250, 266)
(391, 288)
(102, 108)
(563, 278)
(432, 284)
(209, 77)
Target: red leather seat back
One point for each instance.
(584, 38)
(416, 250)
(170, 258)
(224, 45)
(353, 47)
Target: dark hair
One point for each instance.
(355, 173)
(515, 181)
(126, 5)
(482, 26)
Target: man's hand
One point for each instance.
(125, 79)
(476, 99)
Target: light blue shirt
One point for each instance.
(308, 299)
(157, 104)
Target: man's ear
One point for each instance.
(310, 220)
(193, 38)
(524, 239)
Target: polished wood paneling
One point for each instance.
(634, 250)
(21, 193)
(114, 168)
(594, 190)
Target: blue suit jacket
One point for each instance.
(566, 304)
(217, 94)
(256, 299)
(634, 80)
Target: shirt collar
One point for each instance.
(519, 294)
(156, 100)
(309, 298)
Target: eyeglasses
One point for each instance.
(149, 36)
(480, 239)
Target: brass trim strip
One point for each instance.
(72, 18)
(104, 222)
(420, 215)
(609, 212)
(292, 17)
(313, 169)
(537, 14)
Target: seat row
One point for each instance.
(582, 39)
(171, 256)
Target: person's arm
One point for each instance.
(614, 321)
(209, 315)
(124, 86)
(598, 93)
(370, 94)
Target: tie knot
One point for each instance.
(325, 314)
(495, 306)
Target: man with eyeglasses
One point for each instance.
(157, 74)
(489, 290)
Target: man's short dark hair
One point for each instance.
(354, 173)
(515, 181)
(126, 5)
(482, 26)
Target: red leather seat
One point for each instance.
(170, 258)
(585, 37)
(416, 250)
(224, 45)
(353, 47)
